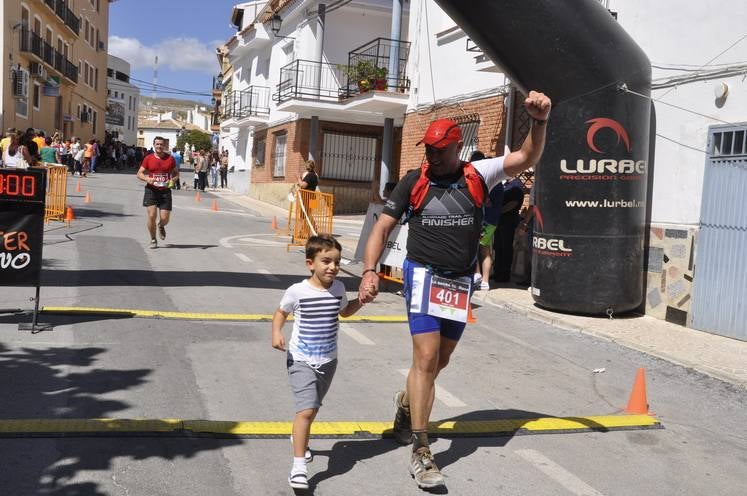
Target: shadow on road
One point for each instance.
(61, 382)
(170, 278)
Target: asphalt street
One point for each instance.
(230, 261)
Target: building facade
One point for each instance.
(53, 77)
(122, 102)
(292, 94)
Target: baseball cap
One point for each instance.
(441, 133)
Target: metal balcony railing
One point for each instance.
(253, 101)
(380, 64)
(309, 79)
(61, 9)
(30, 42)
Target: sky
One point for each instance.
(184, 35)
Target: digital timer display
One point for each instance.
(22, 185)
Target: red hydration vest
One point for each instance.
(473, 179)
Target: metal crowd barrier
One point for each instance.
(312, 213)
(56, 192)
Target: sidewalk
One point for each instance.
(717, 356)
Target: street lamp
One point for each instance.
(275, 22)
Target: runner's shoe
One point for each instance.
(161, 231)
(307, 454)
(402, 429)
(424, 470)
(298, 480)
(153, 244)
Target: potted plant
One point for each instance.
(366, 75)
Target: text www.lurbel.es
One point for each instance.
(605, 203)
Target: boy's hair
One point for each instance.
(321, 242)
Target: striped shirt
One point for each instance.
(315, 313)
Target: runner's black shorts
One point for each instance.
(159, 198)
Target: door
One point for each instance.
(720, 279)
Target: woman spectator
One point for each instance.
(214, 164)
(224, 169)
(48, 153)
(17, 155)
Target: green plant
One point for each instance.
(364, 73)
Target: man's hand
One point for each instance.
(538, 105)
(369, 287)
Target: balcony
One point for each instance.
(250, 106)
(30, 42)
(379, 65)
(60, 8)
(374, 84)
(305, 79)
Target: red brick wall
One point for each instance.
(491, 133)
(297, 151)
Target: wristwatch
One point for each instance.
(368, 270)
(539, 122)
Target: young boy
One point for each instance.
(312, 350)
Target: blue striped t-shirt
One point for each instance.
(315, 313)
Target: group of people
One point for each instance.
(506, 230)
(209, 165)
(33, 147)
(443, 202)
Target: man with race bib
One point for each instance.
(443, 202)
(158, 170)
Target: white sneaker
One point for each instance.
(476, 280)
(484, 286)
(298, 480)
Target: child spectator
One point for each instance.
(312, 349)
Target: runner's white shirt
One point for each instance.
(315, 325)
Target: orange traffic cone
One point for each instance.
(638, 404)
(88, 198)
(77, 187)
(470, 318)
(198, 197)
(274, 224)
(69, 215)
(214, 206)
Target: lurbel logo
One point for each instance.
(603, 123)
(551, 246)
(607, 169)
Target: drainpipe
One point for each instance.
(394, 49)
(319, 46)
(387, 154)
(584, 259)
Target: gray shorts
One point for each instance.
(309, 386)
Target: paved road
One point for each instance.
(228, 261)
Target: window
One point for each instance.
(96, 78)
(129, 103)
(20, 89)
(36, 96)
(95, 118)
(85, 29)
(259, 153)
(278, 155)
(348, 156)
(729, 143)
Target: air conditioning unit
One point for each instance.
(20, 83)
(101, 46)
(37, 70)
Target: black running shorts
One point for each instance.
(157, 197)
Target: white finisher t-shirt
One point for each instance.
(315, 313)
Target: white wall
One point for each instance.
(150, 134)
(439, 48)
(673, 32)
